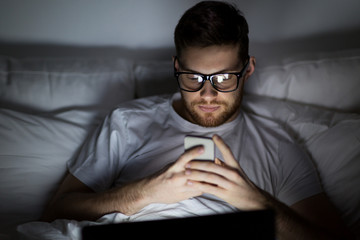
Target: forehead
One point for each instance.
(210, 59)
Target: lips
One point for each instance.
(208, 108)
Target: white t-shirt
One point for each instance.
(141, 137)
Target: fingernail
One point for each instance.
(188, 165)
(187, 172)
(189, 182)
(201, 150)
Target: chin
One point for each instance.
(209, 120)
(226, 113)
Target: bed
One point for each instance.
(48, 106)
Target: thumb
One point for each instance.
(187, 156)
(225, 150)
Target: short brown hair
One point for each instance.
(211, 23)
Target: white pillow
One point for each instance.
(332, 139)
(329, 80)
(153, 78)
(59, 84)
(337, 156)
(33, 152)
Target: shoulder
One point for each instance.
(141, 108)
(136, 118)
(143, 104)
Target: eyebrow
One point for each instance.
(186, 69)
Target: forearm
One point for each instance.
(290, 225)
(75, 200)
(126, 199)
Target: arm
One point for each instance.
(318, 210)
(311, 218)
(75, 200)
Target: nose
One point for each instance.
(208, 92)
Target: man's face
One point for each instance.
(209, 107)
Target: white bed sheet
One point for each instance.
(71, 230)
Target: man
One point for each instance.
(135, 161)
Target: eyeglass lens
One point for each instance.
(222, 82)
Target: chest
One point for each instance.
(150, 156)
(156, 152)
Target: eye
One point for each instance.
(195, 77)
(221, 77)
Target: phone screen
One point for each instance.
(209, 147)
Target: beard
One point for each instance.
(228, 110)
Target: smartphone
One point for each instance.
(209, 146)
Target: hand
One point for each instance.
(226, 181)
(171, 184)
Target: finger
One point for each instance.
(208, 178)
(226, 152)
(189, 155)
(219, 162)
(207, 166)
(224, 171)
(207, 188)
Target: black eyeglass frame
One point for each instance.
(205, 77)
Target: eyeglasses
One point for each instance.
(222, 82)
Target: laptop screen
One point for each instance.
(240, 225)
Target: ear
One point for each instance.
(176, 63)
(251, 68)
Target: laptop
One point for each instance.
(239, 225)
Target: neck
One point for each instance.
(179, 108)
